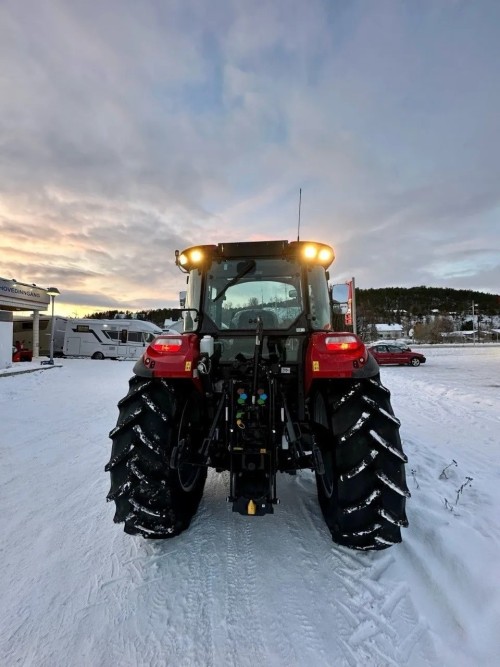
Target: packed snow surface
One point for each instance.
(232, 590)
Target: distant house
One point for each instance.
(389, 331)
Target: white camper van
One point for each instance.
(173, 326)
(111, 339)
(23, 332)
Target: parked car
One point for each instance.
(395, 354)
(21, 354)
(399, 343)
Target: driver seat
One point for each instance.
(247, 319)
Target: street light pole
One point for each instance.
(474, 305)
(52, 292)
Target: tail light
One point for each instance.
(342, 343)
(166, 344)
(333, 355)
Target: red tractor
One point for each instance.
(258, 383)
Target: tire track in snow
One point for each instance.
(309, 547)
(277, 645)
(199, 601)
(388, 611)
(133, 591)
(181, 604)
(243, 572)
(366, 615)
(306, 565)
(136, 599)
(241, 599)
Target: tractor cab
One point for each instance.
(233, 283)
(235, 289)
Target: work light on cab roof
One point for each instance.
(305, 252)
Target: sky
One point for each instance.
(131, 129)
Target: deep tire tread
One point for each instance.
(145, 440)
(149, 498)
(398, 453)
(119, 491)
(391, 484)
(151, 405)
(361, 533)
(121, 456)
(366, 509)
(361, 466)
(137, 386)
(125, 423)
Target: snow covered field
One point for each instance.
(271, 591)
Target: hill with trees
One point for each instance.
(388, 303)
(425, 313)
(426, 310)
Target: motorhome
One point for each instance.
(23, 333)
(173, 326)
(108, 339)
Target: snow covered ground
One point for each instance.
(271, 591)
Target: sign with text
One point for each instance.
(20, 296)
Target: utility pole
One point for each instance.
(473, 324)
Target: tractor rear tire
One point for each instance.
(152, 499)
(363, 491)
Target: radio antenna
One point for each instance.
(300, 202)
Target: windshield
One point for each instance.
(238, 292)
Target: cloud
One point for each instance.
(130, 130)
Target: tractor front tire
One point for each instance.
(363, 491)
(151, 498)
